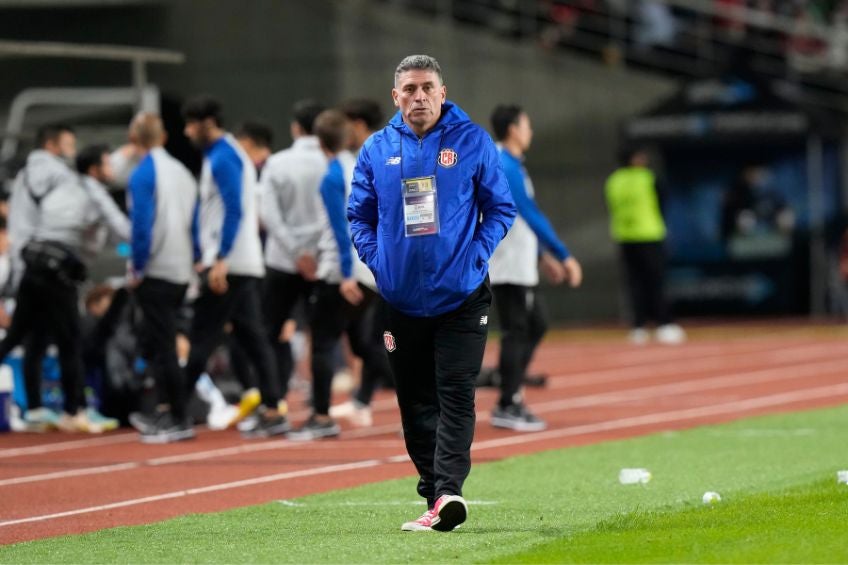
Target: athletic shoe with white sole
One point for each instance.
(639, 336)
(144, 423)
(168, 430)
(354, 412)
(670, 334)
(40, 420)
(221, 416)
(78, 423)
(518, 418)
(267, 425)
(315, 429)
(450, 511)
(423, 524)
(98, 423)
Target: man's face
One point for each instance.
(419, 94)
(64, 146)
(522, 132)
(197, 131)
(103, 172)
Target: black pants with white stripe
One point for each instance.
(523, 325)
(435, 362)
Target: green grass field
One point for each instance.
(776, 475)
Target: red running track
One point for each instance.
(599, 390)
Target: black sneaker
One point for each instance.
(144, 423)
(315, 429)
(516, 417)
(168, 430)
(267, 426)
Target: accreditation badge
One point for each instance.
(420, 209)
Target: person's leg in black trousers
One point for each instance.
(211, 312)
(513, 313)
(249, 333)
(329, 316)
(537, 327)
(366, 340)
(435, 362)
(632, 258)
(410, 345)
(160, 301)
(35, 348)
(280, 295)
(64, 322)
(459, 341)
(522, 327)
(653, 261)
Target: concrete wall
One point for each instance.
(260, 56)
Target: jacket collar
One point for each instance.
(452, 116)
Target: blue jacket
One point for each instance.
(432, 274)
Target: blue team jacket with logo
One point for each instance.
(430, 275)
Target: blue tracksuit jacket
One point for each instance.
(432, 274)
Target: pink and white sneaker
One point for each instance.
(450, 511)
(422, 524)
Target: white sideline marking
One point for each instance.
(630, 422)
(625, 372)
(209, 454)
(654, 391)
(65, 445)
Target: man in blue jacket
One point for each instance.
(429, 205)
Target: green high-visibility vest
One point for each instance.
(634, 208)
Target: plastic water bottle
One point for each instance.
(634, 476)
(6, 377)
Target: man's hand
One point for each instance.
(351, 291)
(218, 277)
(552, 269)
(132, 279)
(573, 272)
(5, 318)
(307, 266)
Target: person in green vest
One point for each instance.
(638, 227)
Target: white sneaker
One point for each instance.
(670, 334)
(76, 423)
(40, 420)
(220, 417)
(354, 412)
(639, 336)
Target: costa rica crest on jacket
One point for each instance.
(448, 158)
(389, 340)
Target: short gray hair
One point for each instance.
(419, 63)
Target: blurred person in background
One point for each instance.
(638, 227)
(365, 117)
(293, 215)
(514, 272)
(53, 212)
(428, 206)
(163, 210)
(256, 138)
(230, 263)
